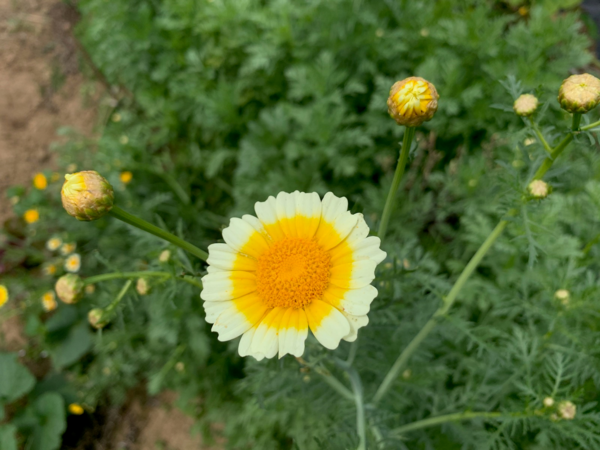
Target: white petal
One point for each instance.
(327, 323)
(245, 342)
(308, 214)
(267, 214)
(333, 206)
(266, 337)
(353, 301)
(224, 257)
(242, 236)
(355, 275)
(214, 309)
(286, 213)
(230, 324)
(293, 332)
(355, 322)
(227, 285)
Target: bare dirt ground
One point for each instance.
(40, 91)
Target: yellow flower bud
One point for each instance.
(95, 318)
(40, 182)
(579, 93)
(53, 243)
(142, 287)
(412, 101)
(164, 256)
(69, 288)
(75, 408)
(567, 410)
(90, 289)
(3, 295)
(68, 248)
(525, 105)
(539, 189)
(563, 296)
(73, 263)
(31, 216)
(87, 195)
(548, 402)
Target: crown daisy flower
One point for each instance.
(412, 101)
(53, 243)
(49, 301)
(301, 263)
(73, 263)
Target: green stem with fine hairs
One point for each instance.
(141, 274)
(159, 232)
(540, 136)
(442, 310)
(409, 133)
(432, 421)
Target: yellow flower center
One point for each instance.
(293, 273)
(40, 182)
(413, 98)
(31, 216)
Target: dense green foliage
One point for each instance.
(218, 104)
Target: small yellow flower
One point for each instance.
(31, 216)
(3, 295)
(49, 301)
(50, 269)
(126, 176)
(69, 288)
(412, 101)
(523, 10)
(53, 243)
(124, 140)
(116, 117)
(73, 263)
(90, 289)
(14, 200)
(563, 296)
(75, 408)
(40, 182)
(548, 402)
(579, 93)
(68, 248)
(142, 287)
(164, 256)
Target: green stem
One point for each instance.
(335, 384)
(360, 408)
(555, 154)
(576, 121)
(442, 310)
(142, 274)
(432, 421)
(389, 203)
(590, 126)
(540, 136)
(152, 229)
(110, 308)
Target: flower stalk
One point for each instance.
(119, 275)
(409, 134)
(433, 421)
(159, 232)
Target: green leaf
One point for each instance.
(50, 409)
(7, 437)
(76, 344)
(15, 379)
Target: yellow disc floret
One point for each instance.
(40, 182)
(293, 273)
(31, 216)
(412, 101)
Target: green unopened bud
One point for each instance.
(579, 93)
(412, 101)
(69, 288)
(525, 105)
(567, 410)
(539, 189)
(87, 195)
(95, 318)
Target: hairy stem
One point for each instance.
(389, 203)
(541, 136)
(442, 310)
(142, 274)
(152, 229)
(432, 421)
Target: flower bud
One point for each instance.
(548, 402)
(87, 195)
(579, 93)
(69, 288)
(563, 296)
(525, 105)
(75, 408)
(538, 189)
(412, 101)
(142, 287)
(567, 410)
(95, 318)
